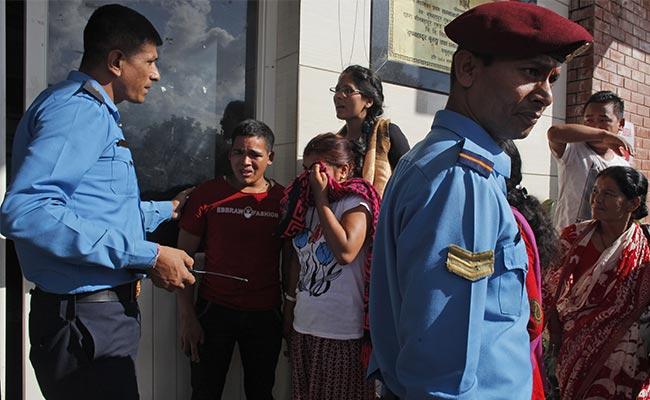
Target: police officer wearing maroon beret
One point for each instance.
(448, 309)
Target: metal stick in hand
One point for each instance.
(238, 278)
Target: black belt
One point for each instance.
(127, 293)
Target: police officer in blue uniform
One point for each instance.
(73, 209)
(448, 309)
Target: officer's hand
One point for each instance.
(191, 337)
(171, 271)
(178, 202)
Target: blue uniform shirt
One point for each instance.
(437, 334)
(73, 207)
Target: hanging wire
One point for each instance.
(354, 33)
(365, 31)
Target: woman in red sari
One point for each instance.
(596, 298)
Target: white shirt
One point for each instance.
(329, 295)
(577, 170)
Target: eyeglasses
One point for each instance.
(345, 91)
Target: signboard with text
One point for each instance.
(416, 31)
(409, 46)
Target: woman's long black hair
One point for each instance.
(540, 222)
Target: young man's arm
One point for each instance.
(191, 331)
(290, 275)
(560, 135)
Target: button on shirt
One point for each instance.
(438, 335)
(73, 207)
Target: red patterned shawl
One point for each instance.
(602, 349)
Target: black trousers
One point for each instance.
(84, 350)
(259, 335)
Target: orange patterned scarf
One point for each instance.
(376, 167)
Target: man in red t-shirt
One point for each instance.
(236, 216)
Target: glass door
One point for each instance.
(176, 136)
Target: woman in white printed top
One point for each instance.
(330, 217)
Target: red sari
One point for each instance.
(599, 305)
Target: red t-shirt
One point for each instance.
(240, 239)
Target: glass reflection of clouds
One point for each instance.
(202, 65)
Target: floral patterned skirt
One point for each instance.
(326, 369)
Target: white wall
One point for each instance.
(284, 86)
(326, 48)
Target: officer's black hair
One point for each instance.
(116, 27)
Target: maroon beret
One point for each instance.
(516, 29)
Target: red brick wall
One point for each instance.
(618, 61)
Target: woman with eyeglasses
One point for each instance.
(359, 101)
